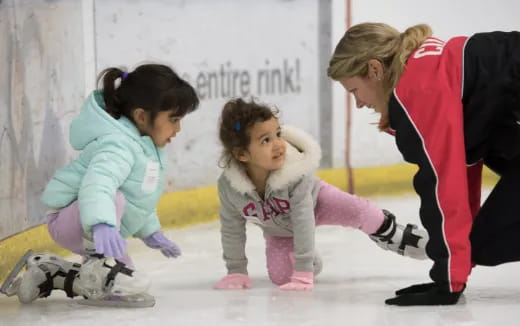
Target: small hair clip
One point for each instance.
(125, 74)
(237, 126)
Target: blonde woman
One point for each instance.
(453, 106)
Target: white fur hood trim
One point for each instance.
(302, 157)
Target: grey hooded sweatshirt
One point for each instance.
(287, 209)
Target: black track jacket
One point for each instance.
(455, 107)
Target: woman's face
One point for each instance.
(368, 91)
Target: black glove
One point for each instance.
(427, 294)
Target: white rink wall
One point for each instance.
(41, 86)
(275, 50)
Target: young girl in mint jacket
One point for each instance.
(110, 191)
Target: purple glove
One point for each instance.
(157, 240)
(108, 241)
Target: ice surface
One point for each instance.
(357, 276)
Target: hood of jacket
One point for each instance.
(94, 122)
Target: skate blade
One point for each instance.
(135, 301)
(9, 287)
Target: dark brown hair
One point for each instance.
(237, 118)
(152, 87)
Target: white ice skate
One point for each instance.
(406, 240)
(102, 282)
(44, 272)
(107, 282)
(12, 282)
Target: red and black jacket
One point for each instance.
(455, 107)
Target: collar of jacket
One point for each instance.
(302, 158)
(145, 141)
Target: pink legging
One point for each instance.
(333, 207)
(65, 227)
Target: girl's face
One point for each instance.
(163, 129)
(266, 150)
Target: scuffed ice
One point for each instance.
(357, 276)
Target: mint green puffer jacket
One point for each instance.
(114, 156)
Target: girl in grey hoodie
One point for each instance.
(269, 180)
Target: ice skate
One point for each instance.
(12, 282)
(108, 282)
(406, 240)
(100, 281)
(44, 273)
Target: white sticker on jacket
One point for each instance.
(151, 177)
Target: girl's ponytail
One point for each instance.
(108, 78)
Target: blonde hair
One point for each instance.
(379, 41)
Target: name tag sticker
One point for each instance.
(151, 177)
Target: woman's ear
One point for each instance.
(375, 69)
